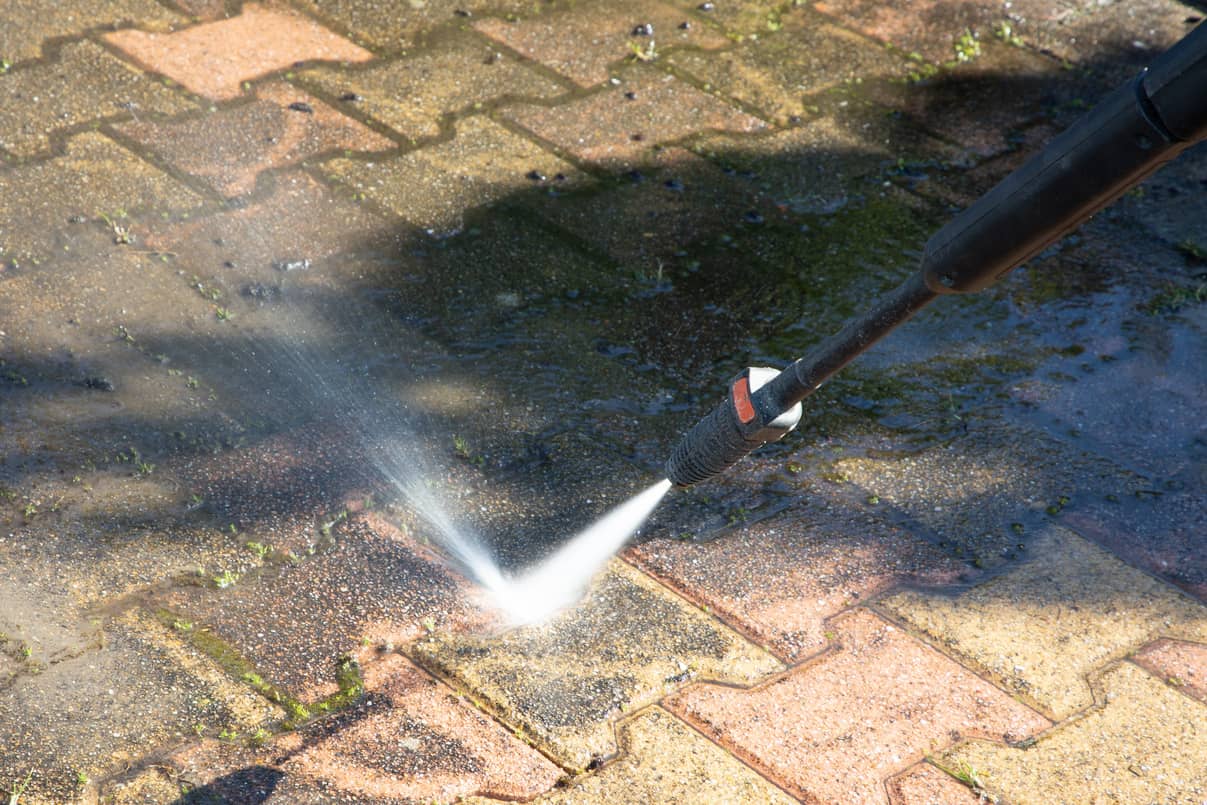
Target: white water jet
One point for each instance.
(538, 592)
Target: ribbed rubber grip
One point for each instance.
(714, 445)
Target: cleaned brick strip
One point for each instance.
(834, 729)
(566, 682)
(664, 760)
(925, 784)
(410, 738)
(1144, 743)
(1043, 627)
(215, 58)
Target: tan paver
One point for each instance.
(664, 760)
(435, 186)
(215, 58)
(563, 684)
(462, 71)
(1144, 743)
(1049, 622)
(584, 41)
(1181, 664)
(618, 132)
(410, 738)
(775, 72)
(924, 784)
(93, 177)
(28, 23)
(270, 133)
(824, 562)
(84, 83)
(833, 729)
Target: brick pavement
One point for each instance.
(534, 225)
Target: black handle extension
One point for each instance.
(1136, 129)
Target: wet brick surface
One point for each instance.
(625, 646)
(833, 729)
(29, 23)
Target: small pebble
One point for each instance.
(673, 184)
(302, 106)
(644, 29)
(461, 12)
(632, 96)
(706, 6)
(291, 265)
(685, 26)
(350, 97)
(535, 176)
(752, 217)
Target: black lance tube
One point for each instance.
(1133, 131)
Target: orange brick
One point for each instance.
(215, 58)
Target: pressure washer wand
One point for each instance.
(1139, 127)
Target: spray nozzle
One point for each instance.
(743, 421)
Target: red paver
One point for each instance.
(618, 131)
(926, 785)
(1180, 663)
(282, 127)
(583, 41)
(821, 568)
(215, 58)
(410, 738)
(833, 730)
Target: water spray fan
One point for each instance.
(1136, 129)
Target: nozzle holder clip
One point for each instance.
(752, 422)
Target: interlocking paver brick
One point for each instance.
(583, 41)
(435, 186)
(825, 560)
(618, 132)
(385, 26)
(372, 586)
(263, 135)
(28, 23)
(741, 20)
(774, 73)
(834, 729)
(93, 177)
(925, 27)
(1053, 619)
(84, 83)
(563, 684)
(1181, 664)
(411, 95)
(1144, 743)
(410, 738)
(215, 58)
(664, 760)
(926, 785)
